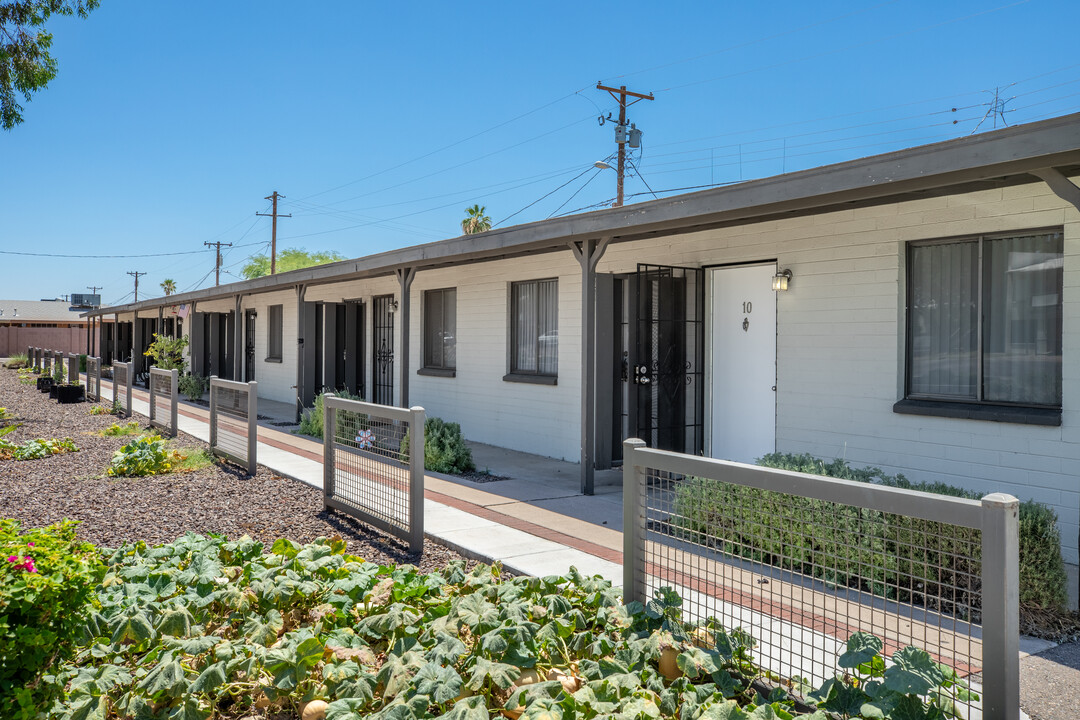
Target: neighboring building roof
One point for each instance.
(25, 311)
(1013, 155)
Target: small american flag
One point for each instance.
(183, 311)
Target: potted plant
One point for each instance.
(44, 383)
(70, 393)
(57, 378)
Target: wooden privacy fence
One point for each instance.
(373, 465)
(163, 400)
(233, 417)
(803, 562)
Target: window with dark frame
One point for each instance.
(984, 321)
(534, 328)
(273, 333)
(440, 329)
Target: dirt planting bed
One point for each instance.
(158, 509)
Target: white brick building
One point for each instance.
(931, 325)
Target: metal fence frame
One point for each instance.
(996, 516)
(73, 368)
(46, 362)
(413, 531)
(93, 378)
(171, 405)
(128, 369)
(251, 388)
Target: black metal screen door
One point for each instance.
(668, 357)
(249, 345)
(382, 345)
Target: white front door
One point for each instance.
(743, 362)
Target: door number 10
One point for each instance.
(747, 307)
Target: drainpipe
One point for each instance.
(405, 277)
(588, 254)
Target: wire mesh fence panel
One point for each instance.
(93, 378)
(802, 563)
(369, 468)
(122, 380)
(163, 398)
(73, 368)
(233, 418)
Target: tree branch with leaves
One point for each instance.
(25, 63)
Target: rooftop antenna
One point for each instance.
(996, 108)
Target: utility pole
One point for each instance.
(273, 229)
(217, 263)
(621, 136)
(136, 275)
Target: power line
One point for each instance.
(544, 196)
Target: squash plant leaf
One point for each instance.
(264, 630)
(442, 684)
(913, 672)
(501, 675)
(471, 708)
(131, 626)
(862, 647)
(166, 678)
(176, 621)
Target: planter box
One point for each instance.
(44, 384)
(70, 393)
(52, 390)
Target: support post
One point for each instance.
(329, 440)
(238, 341)
(174, 403)
(405, 278)
(633, 521)
(300, 291)
(213, 413)
(588, 254)
(253, 427)
(1001, 607)
(416, 479)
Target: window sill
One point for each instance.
(531, 379)
(438, 372)
(272, 359)
(979, 411)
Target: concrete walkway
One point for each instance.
(535, 521)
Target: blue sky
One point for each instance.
(169, 122)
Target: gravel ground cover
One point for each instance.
(158, 509)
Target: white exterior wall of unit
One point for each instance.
(841, 334)
(540, 419)
(276, 379)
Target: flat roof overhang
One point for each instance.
(992, 159)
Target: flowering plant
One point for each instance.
(47, 577)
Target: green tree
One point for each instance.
(288, 259)
(475, 220)
(25, 63)
(168, 286)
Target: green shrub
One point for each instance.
(147, 455)
(193, 386)
(82, 363)
(168, 353)
(832, 541)
(311, 420)
(445, 450)
(47, 578)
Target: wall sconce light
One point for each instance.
(393, 306)
(781, 279)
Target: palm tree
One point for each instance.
(169, 286)
(476, 221)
